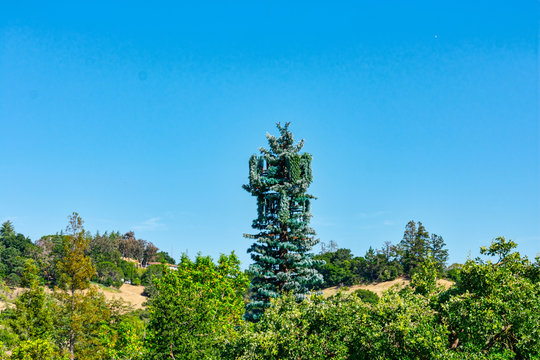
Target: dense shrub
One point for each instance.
(149, 277)
(196, 308)
(367, 296)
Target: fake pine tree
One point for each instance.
(279, 179)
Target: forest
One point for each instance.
(53, 306)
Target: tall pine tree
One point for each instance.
(279, 179)
(417, 246)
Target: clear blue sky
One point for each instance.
(143, 116)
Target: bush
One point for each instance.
(367, 296)
(34, 349)
(494, 307)
(152, 273)
(13, 279)
(196, 308)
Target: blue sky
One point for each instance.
(143, 117)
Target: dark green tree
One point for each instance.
(15, 248)
(164, 257)
(337, 267)
(438, 251)
(196, 308)
(32, 316)
(279, 179)
(104, 247)
(417, 246)
(414, 246)
(51, 251)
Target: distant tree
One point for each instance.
(417, 245)
(51, 250)
(109, 274)
(148, 279)
(131, 271)
(130, 247)
(15, 248)
(331, 246)
(150, 253)
(105, 248)
(164, 257)
(281, 253)
(336, 267)
(438, 252)
(372, 265)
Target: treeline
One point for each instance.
(196, 312)
(403, 259)
(117, 258)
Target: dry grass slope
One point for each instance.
(129, 293)
(133, 294)
(378, 288)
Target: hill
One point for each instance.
(378, 288)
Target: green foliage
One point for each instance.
(151, 274)
(14, 250)
(337, 268)
(416, 246)
(123, 336)
(492, 312)
(75, 267)
(78, 320)
(51, 250)
(453, 272)
(195, 308)
(164, 257)
(424, 279)
(279, 180)
(34, 349)
(341, 268)
(311, 329)
(130, 272)
(494, 307)
(343, 327)
(109, 274)
(499, 247)
(32, 316)
(367, 296)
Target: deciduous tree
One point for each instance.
(196, 308)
